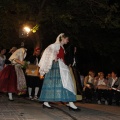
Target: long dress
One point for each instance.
(12, 78)
(52, 89)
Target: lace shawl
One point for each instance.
(47, 58)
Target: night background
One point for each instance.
(93, 26)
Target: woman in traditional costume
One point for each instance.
(12, 79)
(58, 84)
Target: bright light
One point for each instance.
(27, 29)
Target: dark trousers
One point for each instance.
(113, 94)
(32, 82)
(102, 93)
(88, 93)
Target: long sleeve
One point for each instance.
(47, 58)
(17, 55)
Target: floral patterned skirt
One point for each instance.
(21, 81)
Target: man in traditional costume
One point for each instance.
(58, 84)
(34, 83)
(72, 61)
(12, 79)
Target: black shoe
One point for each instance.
(78, 109)
(10, 99)
(44, 106)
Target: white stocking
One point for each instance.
(36, 90)
(47, 104)
(29, 91)
(72, 105)
(10, 96)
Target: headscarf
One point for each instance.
(58, 38)
(37, 49)
(12, 49)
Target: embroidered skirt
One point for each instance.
(21, 81)
(52, 89)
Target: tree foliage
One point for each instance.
(58, 15)
(93, 25)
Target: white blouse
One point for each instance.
(19, 54)
(101, 82)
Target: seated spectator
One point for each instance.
(89, 86)
(114, 88)
(34, 83)
(97, 78)
(108, 76)
(101, 88)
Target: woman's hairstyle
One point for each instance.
(62, 36)
(90, 72)
(2, 49)
(101, 74)
(114, 71)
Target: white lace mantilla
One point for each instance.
(48, 56)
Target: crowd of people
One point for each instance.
(57, 84)
(13, 78)
(102, 88)
(59, 78)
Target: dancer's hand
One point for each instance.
(23, 62)
(70, 65)
(20, 62)
(109, 88)
(41, 77)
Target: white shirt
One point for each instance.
(36, 62)
(101, 82)
(74, 62)
(113, 81)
